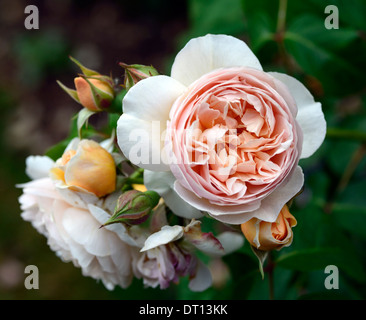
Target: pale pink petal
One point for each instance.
(233, 214)
(205, 54)
(272, 205)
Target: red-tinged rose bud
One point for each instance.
(93, 91)
(136, 72)
(133, 207)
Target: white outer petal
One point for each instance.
(231, 241)
(309, 116)
(101, 216)
(38, 167)
(202, 279)
(142, 125)
(205, 54)
(165, 235)
(163, 183)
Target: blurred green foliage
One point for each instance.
(287, 36)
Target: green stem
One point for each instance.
(281, 18)
(347, 134)
(136, 175)
(270, 269)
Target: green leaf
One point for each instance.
(71, 92)
(86, 71)
(311, 56)
(321, 53)
(262, 256)
(352, 218)
(116, 105)
(318, 258)
(312, 27)
(56, 151)
(220, 16)
(261, 30)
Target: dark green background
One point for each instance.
(35, 114)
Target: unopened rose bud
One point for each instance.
(134, 207)
(136, 72)
(267, 236)
(89, 168)
(93, 91)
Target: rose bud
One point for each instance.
(136, 72)
(133, 207)
(89, 168)
(268, 236)
(93, 91)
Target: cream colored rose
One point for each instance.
(270, 235)
(73, 232)
(86, 167)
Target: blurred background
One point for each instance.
(287, 36)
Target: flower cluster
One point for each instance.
(218, 140)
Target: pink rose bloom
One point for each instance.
(230, 135)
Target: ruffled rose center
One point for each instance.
(233, 134)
